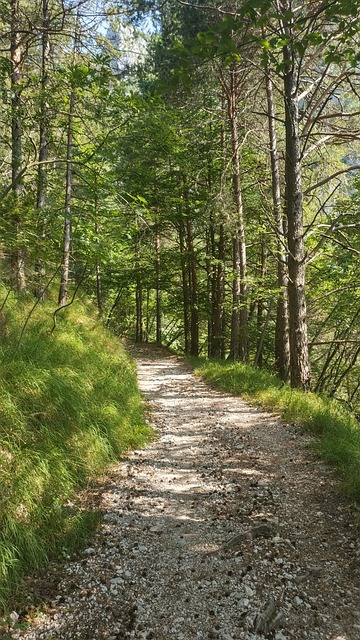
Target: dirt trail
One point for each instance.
(226, 526)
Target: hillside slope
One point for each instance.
(69, 405)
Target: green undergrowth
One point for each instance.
(69, 406)
(337, 430)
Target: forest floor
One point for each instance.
(227, 526)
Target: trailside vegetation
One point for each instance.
(70, 406)
(336, 429)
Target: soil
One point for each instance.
(227, 525)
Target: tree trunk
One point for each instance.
(99, 300)
(194, 300)
(67, 235)
(185, 285)
(260, 307)
(217, 296)
(41, 197)
(16, 61)
(239, 329)
(282, 344)
(211, 283)
(235, 312)
(138, 294)
(299, 352)
(158, 287)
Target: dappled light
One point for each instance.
(224, 523)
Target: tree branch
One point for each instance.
(354, 167)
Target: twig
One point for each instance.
(69, 303)
(35, 305)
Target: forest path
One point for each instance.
(225, 526)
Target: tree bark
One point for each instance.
(299, 352)
(218, 298)
(194, 296)
(138, 294)
(16, 60)
(185, 285)
(258, 362)
(67, 234)
(211, 283)
(99, 299)
(282, 342)
(158, 288)
(41, 196)
(239, 329)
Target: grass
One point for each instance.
(69, 406)
(336, 428)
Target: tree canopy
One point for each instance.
(195, 168)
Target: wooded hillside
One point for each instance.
(194, 168)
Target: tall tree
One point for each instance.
(17, 54)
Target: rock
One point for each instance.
(264, 622)
(260, 531)
(156, 529)
(315, 572)
(14, 617)
(249, 592)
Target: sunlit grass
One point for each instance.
(337, 429)
(69, 406)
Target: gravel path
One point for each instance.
(226, 526)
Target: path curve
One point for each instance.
(226, 526)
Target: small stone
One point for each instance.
(249, 591)
(90, 551)
(298, 601)
(14, 617)
(314, 572)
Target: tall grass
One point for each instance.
(336, 428)
(69, 405)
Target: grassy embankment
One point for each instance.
(69, 406)
(337, 430)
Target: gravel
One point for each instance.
(226, 526)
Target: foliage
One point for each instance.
(69, 406)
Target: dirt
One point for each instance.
(226, 526)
